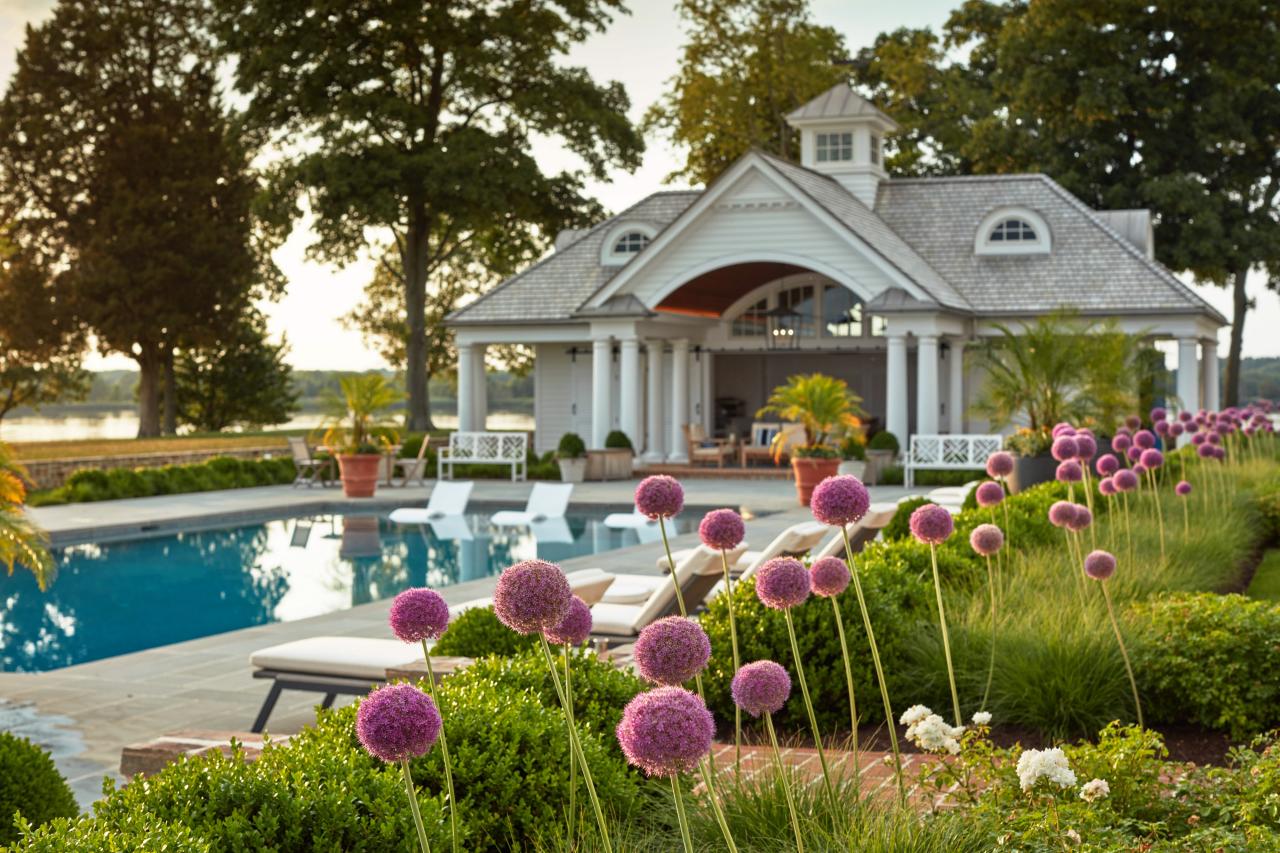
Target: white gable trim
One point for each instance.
(708, 202)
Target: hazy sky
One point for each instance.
(641, 51)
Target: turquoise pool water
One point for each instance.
(125, 596)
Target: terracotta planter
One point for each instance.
(359, 474)
(809, 473)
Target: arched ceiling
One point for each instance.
(711, 293)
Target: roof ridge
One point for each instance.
(959, 179)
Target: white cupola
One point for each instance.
(842, 135)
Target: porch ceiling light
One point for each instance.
(783, 328)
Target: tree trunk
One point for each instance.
(1239, 308)
(149, 368)
(414, 262)
(170, 395)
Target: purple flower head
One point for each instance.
(1213, 438)
(1064, 448)
(829, 576)
(574, 629)
(1069, 472)
(1198, 438)
(1086, 446)
(1062, 428)
(1135, 453)
(1106, 486)
(761, 688)
(931, 524)
(722, 529)
(1081, 519)
(986, 539)
(532, 596)
(1184, 416)
(1159, 413)
(1124, 430)
(1152, 458)
(1061, 513)
(659, 496)
(1205, 450)
(1106, 465)
(1183, 488)
(1125, 480)
(840, 500)
(1222, 428)
(1099, 565)
(989, 493)
(1133, 422)
(666, 731)
(1163, 427)
(1144, 438)
(418, 614)
(397, 722)
(1219, 453)
(1121, 443)
(672, 650)
(1138, 468)
(1176, 429)
(782, 582)
(1000, 464)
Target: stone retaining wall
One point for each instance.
(51, 473)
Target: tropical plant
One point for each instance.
(824, 405)
(21, 541)
(358, 419)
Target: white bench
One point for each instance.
(485, 448)
(948, 453)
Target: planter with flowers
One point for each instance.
(826, 408)
(359, 434)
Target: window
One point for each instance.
(875, 149)
(833, 147)
(1013, 230)
(630, 243)
(752, 322)
(841, 313)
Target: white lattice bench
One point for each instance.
(485, 448)
(948, 453)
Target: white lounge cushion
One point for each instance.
(633, 589)
(615, 619)
(351, 657)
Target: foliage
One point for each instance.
(476, 633)
(895, 475)
(358, 415)
(899, 526)
(823, 404)
(618, 440)
(30, 785)
(1265, 583)
(240, 380)
(1030, 442)
(745, 66)
(853, 447)
(883, 440)
(221, 472)
(22, 542)
(571, 446)
(421, 123)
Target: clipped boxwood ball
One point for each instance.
(30, 784)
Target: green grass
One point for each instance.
(1266, 580)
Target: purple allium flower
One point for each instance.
(1133, 422)
(840, 500)
(931, 523)
(1183, 488)
(1099, 565)
(1061, 513)
(1106, 465)
(532, 596)
(1000, 464)
(829, 576)
(1184, 416)
(761, 688)
(1125, 480)
(1121, 442)
(1204, 451)
(1062, 428)
(989, 493)
(659, 496)
(1064, 448)
(1219, 453)
(1144, 438)
(672, 650)
(397, 722)
(575, 628)
(1081, 519)
(418, 614)
(1086, 446)
(666, 731)
(1135, 453)
(1124, 430)
(1213, 438)
(1176, 429)
(1069, 472)
(1106, 486)
(722, 529)
(1159, 413)
(986, 539)
(782, 582)
(1152, 458)
(1138, 468)
(1163, 427)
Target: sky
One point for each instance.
(640, 50)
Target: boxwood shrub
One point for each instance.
(30, 785)
(476, 632)
(221, 472)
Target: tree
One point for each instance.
(1173, 106)
(419, 119)
(242, 380)
(745, 66)
(136, 185)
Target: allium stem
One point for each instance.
(444, 753)
(1128, 527)
(671, 564)
(413, 805)
(991, 666)
(1088, 499)
(708, 774)
(1155, 496)
(1124, 653)
(680, 815)
(848, 679)
(808, 706)
(1186, 520)
(784, 781)
(946, 641)
(575, 742)
(875, 660)
(733, 638)
(573, 759)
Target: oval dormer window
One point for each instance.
(1012, 232)
(624, 241)
(630, 243)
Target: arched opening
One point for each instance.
(711, 293)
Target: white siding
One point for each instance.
(552, 395)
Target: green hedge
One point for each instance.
(30, 785)
(476, 632)
(221, 472)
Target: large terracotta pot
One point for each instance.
(359, 474)
(810, 472)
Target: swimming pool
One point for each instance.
(125, 596)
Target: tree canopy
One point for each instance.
(240, 380)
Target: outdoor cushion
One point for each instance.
(614, 619)
(352, 657)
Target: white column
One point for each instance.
(679, 399)
(482, 391)
(955, 401)
(466, 388)
(1209, 374)
(1188, 375)
(601, 385)
(653, 445)
(927, 385)
(629, 391)
(895, 418)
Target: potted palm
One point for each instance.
(22, 542)
(359, 433)
(571, 456)
(823, 406)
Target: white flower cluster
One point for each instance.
(1036, 765)
(929, 731)
(1095, 789)
(981, 718)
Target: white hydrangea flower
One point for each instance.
(981, 718)
(1049, 765)
(1095, 789)
(933, 734)
(913, 715)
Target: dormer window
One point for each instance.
(1012, 231)
(624, 241)
(834, 147)
(875, 149)
(630, 243)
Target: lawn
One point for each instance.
(32, 451)
(1266, 580)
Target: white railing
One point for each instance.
(485, 448)
(948, 452)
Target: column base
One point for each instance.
(653, 457)
(678, 459)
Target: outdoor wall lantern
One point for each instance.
(783, 328)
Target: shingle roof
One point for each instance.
(1091, 267)
(840, 101)
(554, 287)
